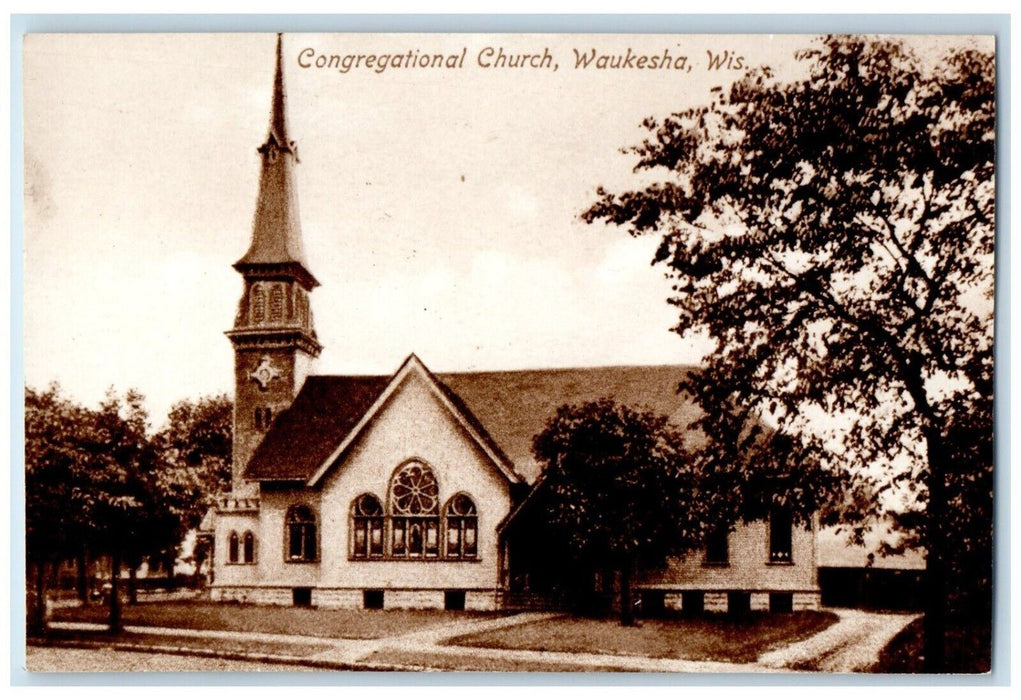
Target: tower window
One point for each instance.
(276, 303)
(232, 548)
(258, 305)
(263, 418)
(248, 547)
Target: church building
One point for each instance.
(406, 490)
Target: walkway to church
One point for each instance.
(850, 645)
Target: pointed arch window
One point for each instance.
(232, 548)
(414, 512)
(248, 548)
(366, 527)
(462, 523)
(300, 530)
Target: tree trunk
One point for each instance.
(116, 624)
(133, 582)
(37, 613)
(82, 565)
(627, 606)
(934, 623)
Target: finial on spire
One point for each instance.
(278, 117)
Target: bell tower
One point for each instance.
(273, 336)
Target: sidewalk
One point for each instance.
(852, 644)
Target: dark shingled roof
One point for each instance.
(324, 412)
(515, 406)
(509, 409)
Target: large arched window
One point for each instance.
(232, 548)
(248, 548)
(366, 527)
(414, 512)
(462, 527)
(301, 534)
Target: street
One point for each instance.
(59, 659)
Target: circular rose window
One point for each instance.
(415, 491)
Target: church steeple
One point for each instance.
(276, 234)
(273, 336)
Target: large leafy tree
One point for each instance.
(833, 235)
(57, 488)
(196, 449)
(615, 482)
(98, 479)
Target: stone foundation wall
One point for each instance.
(337, 598)
(807, 601)
(715, 601)
(480, 600)
(413, 600)
(252, 594)
(760, 601)
(351, 598)
(673, 601)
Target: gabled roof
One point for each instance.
(458, 411)
(516, 405)
(503, 411)
(324, 412)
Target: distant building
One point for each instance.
(406, 491)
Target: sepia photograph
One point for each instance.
(588, 353)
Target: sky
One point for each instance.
(440, 206)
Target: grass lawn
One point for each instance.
(704, 639)
(341, 624)
(969, 650)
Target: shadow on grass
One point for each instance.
(709, 638)
(337, 624)
(969, 650)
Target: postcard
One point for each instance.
(512, 352)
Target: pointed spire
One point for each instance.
(278, 115)
(276, 234)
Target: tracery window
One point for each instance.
(301, 534)
(462, 527)
(232, 548)
(414, 512)
(248, 548)
(366, 527)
